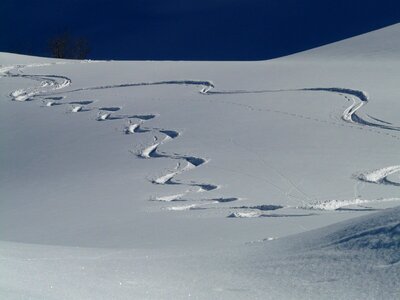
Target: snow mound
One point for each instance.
(373, 239)
(378, 231)
(348, 258)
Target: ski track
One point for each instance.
(358, 98)
(50, 85)
(379, 176)
(256, 214)
(331, 205)
(185, 163)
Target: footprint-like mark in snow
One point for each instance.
(50, 103)
(102, 116)
(170, 134)
(76, 108)
(110, 109)
(144, 117)
(54, 98)
(168, 179)
(132, 127)
(205, 187)
(80, 102)
(150, 151)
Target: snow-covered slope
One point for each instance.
(378, 45)
(160, 179)
(357, 259)
(351, 260)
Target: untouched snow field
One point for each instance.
(204, 180)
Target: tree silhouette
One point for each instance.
(81, 48)
(58, 46)
(63, 46)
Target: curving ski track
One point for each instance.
(185, 163)
(50, 85)
(380, 176)
(332, 205)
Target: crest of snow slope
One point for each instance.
(272, 134)
(381, 44)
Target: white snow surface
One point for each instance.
(304, 149)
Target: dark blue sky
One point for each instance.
(190, 29)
